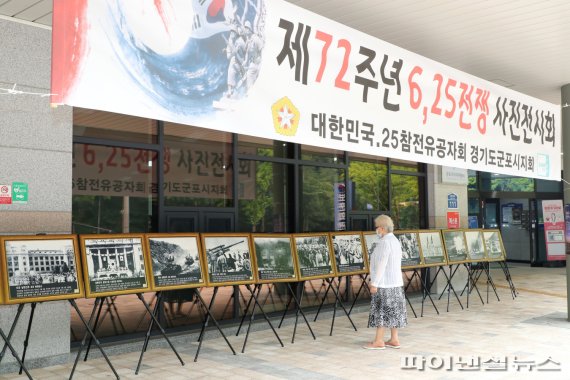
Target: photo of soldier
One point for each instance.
(228, 258)
(348, 253)
(313, 256)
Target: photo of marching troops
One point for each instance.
(314, 256)
(432, 248)
(348, 252)
(475, 245)
(410, 248)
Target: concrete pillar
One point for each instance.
(437, 216)
(35, 148)
(566, 170)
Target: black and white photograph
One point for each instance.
(348, 252)
(175, 261)
(455, 245)
(228, 258)
(274, 256)
(370, 241)
(493, 245)
(475, 245)
(314, 256)
(432, 248)
(410, 248)
(115, 264)
(40, 268)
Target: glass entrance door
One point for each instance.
(199, 221)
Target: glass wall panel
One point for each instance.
(407, 201)
(113, 189)
(256, 146)
(503, 182)
(368, 185)
(472, 180)
(113, 126)
(198, 167)
(321, 203)
(543, 186)
(408, 166)
(263, 205)
(329, 156)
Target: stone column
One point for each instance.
(35, 148)
(437, 218)
(566, 170)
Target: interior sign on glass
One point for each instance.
(452, 201)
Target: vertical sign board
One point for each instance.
(452, 219)
(20, 193)
(567, 222)
(554, 228)
(5, 194)
(452, 201)
(339, 207)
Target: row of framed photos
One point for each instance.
(53, 267)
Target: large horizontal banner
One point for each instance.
(271, 69)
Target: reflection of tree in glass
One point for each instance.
(317, 205)
(405, 202)
(255, 210)
(370, 185)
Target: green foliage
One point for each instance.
(370, 185)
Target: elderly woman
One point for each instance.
(388, 306)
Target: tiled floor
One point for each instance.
(526, 332)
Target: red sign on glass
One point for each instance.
(452, 219)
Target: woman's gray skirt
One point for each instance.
(388, 308)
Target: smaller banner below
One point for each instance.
(452, 219)
(554, 229)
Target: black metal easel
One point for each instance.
(154, 321)
(363, 285)
(449, 287)
(425, 291)
(297, 298)
(254, 297)
(338, 301)
(406, 293)
(209, 316)
(90, 333)
(8, 345)
(507, 273)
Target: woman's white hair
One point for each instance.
(385, 221)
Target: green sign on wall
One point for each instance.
(19, 193)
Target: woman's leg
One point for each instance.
(394, 340)
(379, 339)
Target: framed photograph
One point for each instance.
(40, 268)
(229, 259)
(432, 248)
(455, 246)
(475, 245)
(410, 248)
(313, 252)
(114, 264)
(494, 245)
(370, 241)
(349, 254)
(175, 261)
(274, 258)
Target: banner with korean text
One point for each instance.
(274, 70)
(554, 226)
